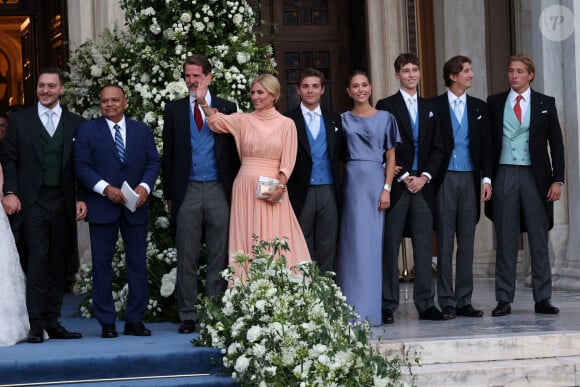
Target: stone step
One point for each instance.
(545, 372)
(484, 348)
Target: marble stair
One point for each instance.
(526, 359)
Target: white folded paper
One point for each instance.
(130, 195)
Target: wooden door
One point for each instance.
(311, 33)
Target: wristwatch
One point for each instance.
(387, 187)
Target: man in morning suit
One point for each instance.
(467, 145)
(199, 168)
(40, 189)
(109, 151)
(527, 180)
(314, 187)
(413, 195)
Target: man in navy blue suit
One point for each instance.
(109, 151)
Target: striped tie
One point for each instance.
(119, 142)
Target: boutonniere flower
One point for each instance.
(479, 118)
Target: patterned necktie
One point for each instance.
(518, 108)
(413, 108)
(457, 109)
(119, 142)
(314, 129)
(49, 123)
(197, 116)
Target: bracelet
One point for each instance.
(282, 187)
(206, 104)
(387, 187)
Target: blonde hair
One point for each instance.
(270, 83)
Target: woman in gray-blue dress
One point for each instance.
(371, 136)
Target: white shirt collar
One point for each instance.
(120, 123)
(43, 109)
(305, 110)
(526, 94)
(452, 97)
(406, 96)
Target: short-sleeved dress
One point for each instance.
(359, 263)
(267, 144)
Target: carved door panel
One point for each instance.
(311, 33)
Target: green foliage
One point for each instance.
(288, 327)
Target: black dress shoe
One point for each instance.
(469, 311)
(35, 336)
(388, 317)
(60, 332)
(109, 331)
(502, 308)
(432, 314)
(545, 307)
(136, 329)
(187, 326)
(449, 312)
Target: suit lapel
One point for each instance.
(446, 114)
(330, 134)
(105, 132)
(33, 128)
(68, 136)
(537, 106)
(301, 130)
(500, 107)
(473, 114)
(401, 111)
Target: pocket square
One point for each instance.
(544, 111)
(430, 114)
(479, 118)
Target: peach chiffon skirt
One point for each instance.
(250, 215)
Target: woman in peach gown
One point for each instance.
(267, 144)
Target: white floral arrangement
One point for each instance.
(145, 58)
(290, 327)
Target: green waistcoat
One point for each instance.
(515, 148)
(52, 148)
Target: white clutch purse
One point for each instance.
(266, 185)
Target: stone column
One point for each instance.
(88, 18)
(387, 38)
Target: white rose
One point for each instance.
(155, 28)
(148, 11)
(198, 26)
(242, 364)
(242, 57)
(254, 333)
(185, 17)
(96, 71)
(237, 19)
